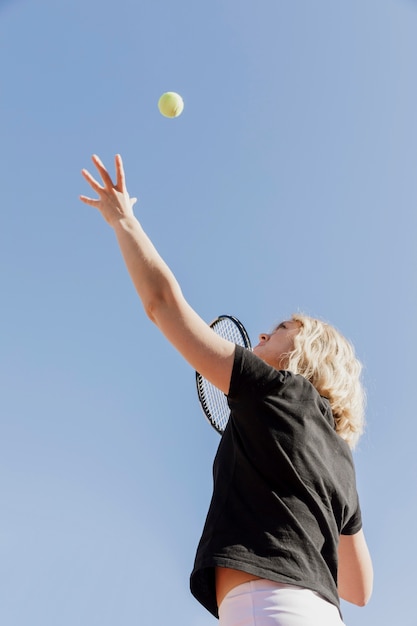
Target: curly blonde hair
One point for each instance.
(327, 359)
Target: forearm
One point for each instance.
(153, 280)
(155, 284)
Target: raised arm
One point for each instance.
(156, 285)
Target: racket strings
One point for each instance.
(228, 330)
(214, 404)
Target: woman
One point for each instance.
(283, 537)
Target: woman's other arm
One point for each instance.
(355, 572)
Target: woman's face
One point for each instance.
(273, 347)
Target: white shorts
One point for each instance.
(266, 603)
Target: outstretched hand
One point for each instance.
(114, 202)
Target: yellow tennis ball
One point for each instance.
(170, 104)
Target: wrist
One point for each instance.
(124, 222)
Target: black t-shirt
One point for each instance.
(284, 486)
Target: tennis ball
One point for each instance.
(170, 104)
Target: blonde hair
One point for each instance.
(327, 359)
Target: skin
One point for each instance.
(273, 347)
(205, 351)
(156, 285)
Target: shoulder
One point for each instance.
(251, 374)
(253, 382)
(252, 377)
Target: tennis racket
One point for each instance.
(212, 400)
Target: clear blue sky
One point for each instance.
(289, 183)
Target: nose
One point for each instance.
(263, 337)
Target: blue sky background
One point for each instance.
(289, 183)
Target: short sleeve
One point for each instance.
(354, 523)
(251, 375)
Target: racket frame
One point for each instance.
(202, 382)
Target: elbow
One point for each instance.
(367, 588)
(150, 311)
(362, 600)
(358, 597)
(159, 308)
(366, 596)
(153, 307)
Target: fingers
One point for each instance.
(90, 201)
(92, 181)
(102, 190)
(120, 173)
(102, 171)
